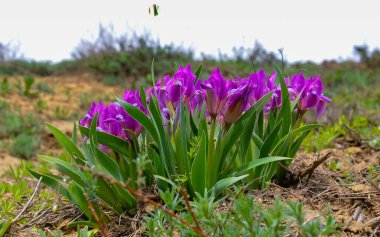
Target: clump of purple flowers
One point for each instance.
(225, 100)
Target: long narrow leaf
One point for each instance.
(247, 135)
(199, 169)
(253, 164)
(69, 170)
(108, 140)
(197, 72)
(257, 107)
(140, 117)
(67, 143)
(223, 184)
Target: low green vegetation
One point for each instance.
(242, 217)
(25, 145)
(359, 129)
(19, 132)
(14, 195)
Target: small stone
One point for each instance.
(354, 150)
(357, 188)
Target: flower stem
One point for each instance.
(210, 158)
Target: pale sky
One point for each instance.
(306, 30)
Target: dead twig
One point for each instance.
(101, 227)
(189, 207)
(295, 178)
(310, 170)
(29, 201)
(375, 231)
(375, 221)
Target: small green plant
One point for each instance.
(323, 137)
(57, 233)
(5, 86)
(348, 178)
(49, 233)
(14, 123)
(41, 105)
(69, 95)
(45, 88)
(110, 80)
(14, 195)
(361, 128)
(25, 145)
(61, 113)
(28, 83)
(335, 166)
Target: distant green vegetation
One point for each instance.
(19, 133)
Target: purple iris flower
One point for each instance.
(296, 84)
(312, 95)
(95, 108)
(225, 100)
(259, 87)
(237, 102)
(181, 86)
(113, 119)
(216, 90)
(198, 98)
(310, 91)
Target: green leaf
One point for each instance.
(296, 145)
(295, 102)
(108, 140)
(269, 140)
(286, 110)
(257, 140)
(197, 72)
(152, 74)
(159, 169)
(4, 226)
(304, 128)
(169, 181)
(143, 97)
(77, 197)
(181, 140)
(91, 224)
(257, 107)
(163, 141)
(68, 144)
(64, 167)
(253, 164)
(295, 132)
(229, 140)
(199, 169)
(108, 164)
(52, 181)
(140, 117)
(125, 197)
(247, 135)
(75, 135)
(223, 184)
(106, 193)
